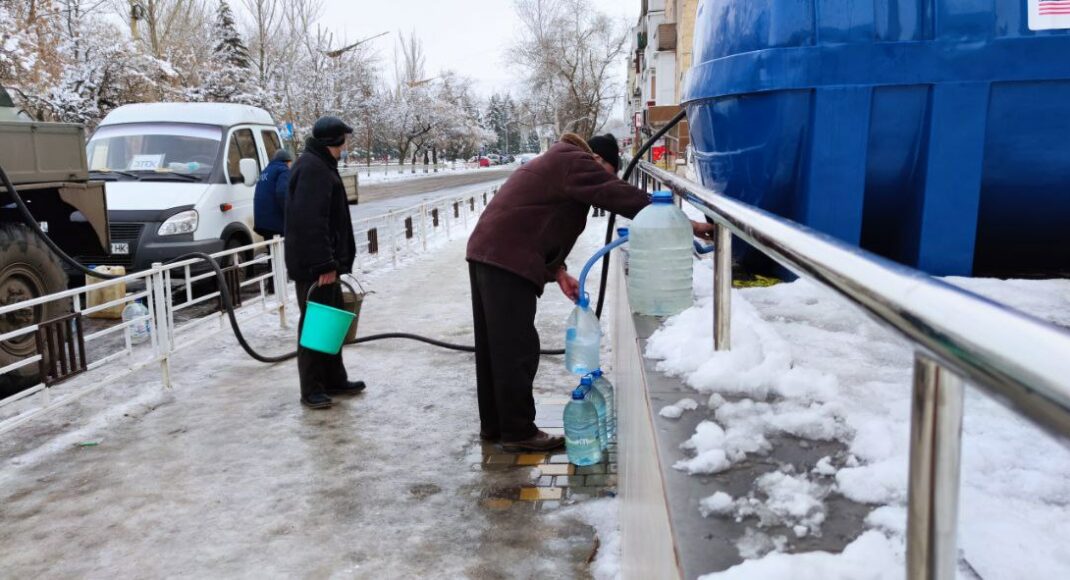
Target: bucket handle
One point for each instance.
(315, 285)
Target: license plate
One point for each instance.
(120, 248)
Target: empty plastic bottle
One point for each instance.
(139, 331)
(581, 429)
(583, 339)
(659, 260)
(605, 388)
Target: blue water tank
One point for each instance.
(933, 132)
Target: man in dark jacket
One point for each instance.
(269, 202)
(520, 244)
(319, 248)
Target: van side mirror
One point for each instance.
(249, 171)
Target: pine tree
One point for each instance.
(229, 76)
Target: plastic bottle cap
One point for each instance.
(622, 232)
(586, 382)
(597, 373)
(661, 197)
(578, 395)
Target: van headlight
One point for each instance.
(180, 223)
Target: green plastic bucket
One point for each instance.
(325, 327)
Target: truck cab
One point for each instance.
(180, 178)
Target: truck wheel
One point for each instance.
(28, 269)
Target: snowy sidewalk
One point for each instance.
(227, 475)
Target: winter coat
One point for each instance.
(319, 231)
(269, 205)
(533, 222)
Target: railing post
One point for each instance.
(278, 269)
(722, 288)
(162, 322)
(423, 226)
(935, 455)
(449, 235)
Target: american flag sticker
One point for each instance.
(1049, 14)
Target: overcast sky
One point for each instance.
(467, 36)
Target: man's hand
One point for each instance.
(703, 230)
(569, 286)
(328, 278)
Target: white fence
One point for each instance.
(79, 361)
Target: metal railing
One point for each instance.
(957, 336)
(179, 317)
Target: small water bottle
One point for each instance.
(583, 339)
(605, 388)
(581, 430)
(140, 330)
(659, 261)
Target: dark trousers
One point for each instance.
(507, 351)
(319, 371)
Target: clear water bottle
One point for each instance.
(659, 260)
(587, 384)
(583, 339)
(139, 331)
(581, 429)
(605, 388)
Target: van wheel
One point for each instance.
(28, 269)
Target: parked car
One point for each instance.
(495, 159)
(180, 177)
(526, 157)
(484, 162)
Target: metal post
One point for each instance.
(935, 449)
(448, 220)
(722, 288)
(163, 330)
(278, 269)
(423, 226)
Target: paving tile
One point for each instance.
(596, 481)
(501, 459)
(584, 492)
(569, 481)
(611, 468)
(498, 504)
(556, 469)
(500, 493)
(595, 469)
(561, 458)
(531, 459)
(540, 493)
(549, 505)
(544, 481)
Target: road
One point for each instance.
(379, 198)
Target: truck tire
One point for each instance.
(28, 269)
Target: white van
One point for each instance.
(180, 178)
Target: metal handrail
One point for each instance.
(1019, 360)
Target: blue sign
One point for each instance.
(287, 131)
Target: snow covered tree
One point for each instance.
(16, 47)
(228, 77)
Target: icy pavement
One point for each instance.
(807, 365)
(226, 475)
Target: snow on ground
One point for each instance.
(226, 475)
(380, 174)
(806, 363)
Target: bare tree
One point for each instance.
(265, 17)
(570, 51)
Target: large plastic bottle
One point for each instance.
(139, 331)
(583, 339)
(659, 261)
(594, 396)
(581, 429)
(605, 388)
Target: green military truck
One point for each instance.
(47, 164)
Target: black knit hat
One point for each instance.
(331, 131)
(605, 146)
(283, 156)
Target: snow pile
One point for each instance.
(807, 364)
(676, 410)
(604, 516)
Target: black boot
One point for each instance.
(316, 401)
(349, 388)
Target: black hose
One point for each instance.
(610, 225)
(224, 293)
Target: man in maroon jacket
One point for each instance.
(520, 244)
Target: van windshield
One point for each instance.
(155, 151)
